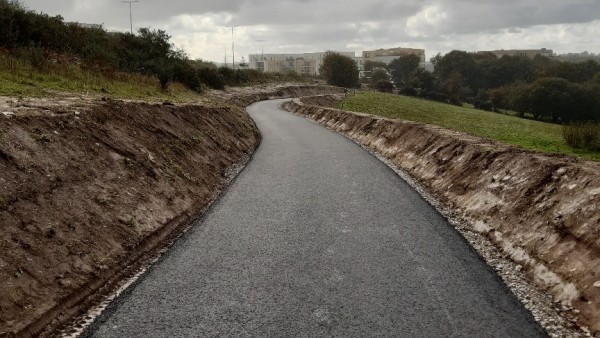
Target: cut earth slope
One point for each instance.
(91, 187)
(541, 211)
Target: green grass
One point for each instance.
(528, 134)
(19, 78)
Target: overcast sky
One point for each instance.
(295, 26)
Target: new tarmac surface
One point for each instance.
(317, 238)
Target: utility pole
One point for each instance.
(232, 47)
(130, 15)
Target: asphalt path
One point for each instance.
(317, 238)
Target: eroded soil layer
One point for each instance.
(540, 210)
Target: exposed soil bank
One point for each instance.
(541, 211)
(89, 187)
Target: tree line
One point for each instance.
(32, 36)
(540, 88)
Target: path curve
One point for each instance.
(317, 237)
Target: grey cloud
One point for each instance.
(332, 24)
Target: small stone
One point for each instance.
(77, 113)
(597, 284)
(8, 113)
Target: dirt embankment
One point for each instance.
(90, 187)
(541, 211)
(244, 96)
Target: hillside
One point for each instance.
(524, 133)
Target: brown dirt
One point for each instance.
(88, 186)
(542, 211)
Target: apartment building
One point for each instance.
(388, 55)
(304, 63)
(309, 63)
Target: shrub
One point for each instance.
(434, 96)
(408, 91)
(584, 136)
(211, 77)
(384, 86)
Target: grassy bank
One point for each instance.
(528, 134)
(20, 78)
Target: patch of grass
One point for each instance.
(528, 134)
(20, 78)
(583, 136)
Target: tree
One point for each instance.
(402, 67)
(371, 65)
(455, 87)
(435, 59)
(339, 70)
(379, 74)
(421, 79)
(380, 80)
(506, 71)
(518, 98)
(552, 98)
(459, 62)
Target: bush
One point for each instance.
(384, 86)
(434, 96)
(483, 105)
(212, 78)
(408, 91)
(584, 136)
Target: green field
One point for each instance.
(528, 134)
(19, 78)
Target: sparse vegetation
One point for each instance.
(42, 137)
(20, 78)
(524, 133)
(583, 136)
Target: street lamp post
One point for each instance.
(232, 48)
(130, 15)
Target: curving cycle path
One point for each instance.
(317, 238)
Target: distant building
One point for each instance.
(578, 57)
(303, 63)
(530, 53)
(309, 63)
(388, 55)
